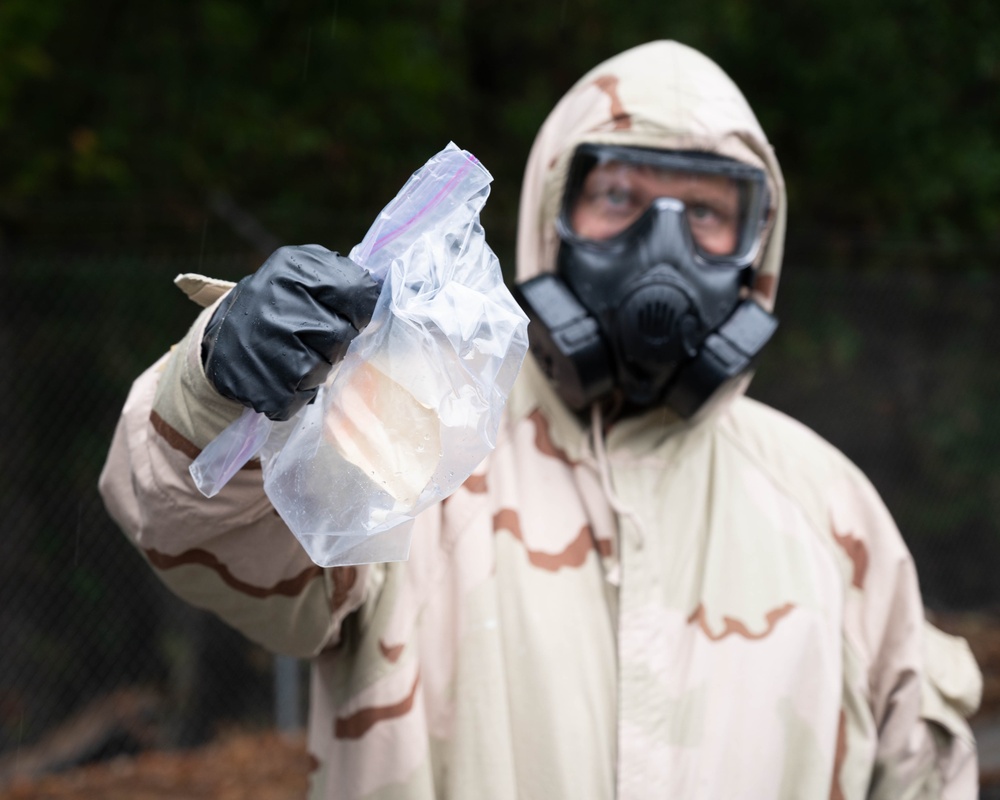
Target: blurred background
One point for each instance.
(143, 140)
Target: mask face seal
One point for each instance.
(654, 265)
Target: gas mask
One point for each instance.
(650, 297)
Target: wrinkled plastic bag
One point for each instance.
(415, 405)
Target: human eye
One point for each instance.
(615, 198)
(705, 214)
(707, 218)
(712, 226)
(611, 188)
(607, 205)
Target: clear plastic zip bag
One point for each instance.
(415, 404)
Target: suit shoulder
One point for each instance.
(784, 445)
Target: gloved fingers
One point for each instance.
(288, 409)
(268, 393)
(274, 339)
(338, 284)
(353, 294)
(329, 344)
(286, 375)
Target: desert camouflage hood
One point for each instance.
(662, 94)
(665, 95)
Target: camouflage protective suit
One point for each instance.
(720, 608)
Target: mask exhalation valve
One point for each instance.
(657, 324)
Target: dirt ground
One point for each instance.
(265, 765)
(237, 766)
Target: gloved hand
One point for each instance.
(275, 337)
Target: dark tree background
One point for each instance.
(120, 121)
(138, 140)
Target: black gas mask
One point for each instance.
(650, 297)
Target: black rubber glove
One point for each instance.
(275, 337)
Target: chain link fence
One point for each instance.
(96, 657)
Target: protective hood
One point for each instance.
(661, 94)
(664, 95)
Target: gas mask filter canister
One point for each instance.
(649, 299)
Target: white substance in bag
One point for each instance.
(416, 402)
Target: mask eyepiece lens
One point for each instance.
(610, 189)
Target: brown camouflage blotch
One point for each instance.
(735, 626)
(609, 85)
(391, 652)
(184, 445)
(543, 441)
(507, 519)
(289, 587)
(343, 579)
(764, 285)
(857, 552)
(360, 722)
(475, 484)
(574, 555)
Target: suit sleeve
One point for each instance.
(231, 554)
(920, 683)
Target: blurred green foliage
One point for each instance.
(311, 113)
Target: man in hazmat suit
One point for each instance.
(653, 586)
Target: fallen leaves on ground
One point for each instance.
(238, 766)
